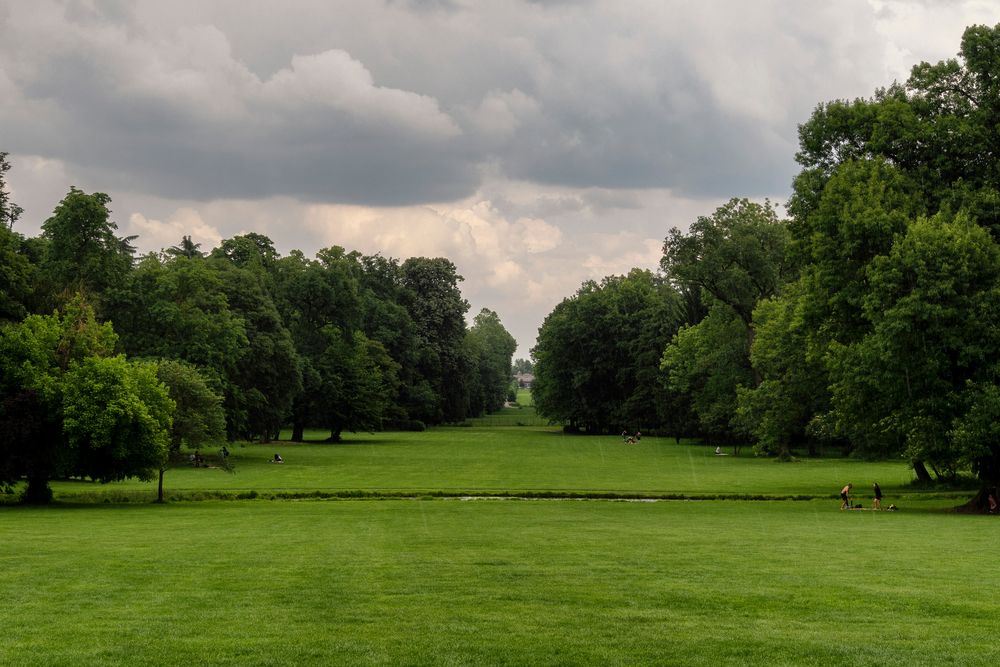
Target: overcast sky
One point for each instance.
(536, 144)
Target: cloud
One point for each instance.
(537, 144)
(410, 103)
(164, 234)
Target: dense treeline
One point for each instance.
(235, 342)
(868, 320)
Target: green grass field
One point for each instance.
(484, 461)
(477, 580)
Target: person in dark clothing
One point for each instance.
(877, 501)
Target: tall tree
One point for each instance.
(884, 212)
(83, 251)
(438, 311)
(735, 258)
(17, 277)
(268, 374)
(737, 255)
(597, 353)
(491, 349)
(934, 339)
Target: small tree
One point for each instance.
(198, 416)
(73, 408)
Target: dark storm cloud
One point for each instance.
(408, 102)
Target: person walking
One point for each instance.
(877, 501)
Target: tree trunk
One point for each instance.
(920, 469)
(159, 487)
(298, 430)
(38, 491)
(978, 504)
(334, 435)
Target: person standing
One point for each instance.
(845, 495)
(877, 501)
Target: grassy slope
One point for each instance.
(497, 582)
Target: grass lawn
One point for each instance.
(497, 582)
(452, 581)
(508, 460)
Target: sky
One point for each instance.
(537, 144)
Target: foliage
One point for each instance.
(895, 223)
(83, 252)
(267, 375)
(522, 366)
(490, 350)
(734, 259)
(781, 410)
(934, 315)
(437, 309)
(9, 211)
(597, 353)
(707, 364)
(73, 409)
(736, 255)
(17, 276)
(198, 416)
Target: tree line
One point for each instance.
(111, 361)
(868, 319)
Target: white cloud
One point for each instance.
(164, 234)
(334, 79)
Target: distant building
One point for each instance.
(524, 380)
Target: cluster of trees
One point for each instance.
(242, 340)
(869, 319)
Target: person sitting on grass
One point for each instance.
(845, 495)
(277, 459)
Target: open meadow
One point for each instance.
(429, 569)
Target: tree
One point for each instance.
(737, 255)
(15, 268)
(931, 352)
(198, 416)
(186, 248)
(83, 252)
(357, 383)
(178, 309)
(523, 366)
(787, 405)
(597, 353)
(437, 309)
(268, 374)
(17, 277)
(73, 408)
(315, 298)
(9, 211)
(884, 211)
(490, 349)
(732, 259)
(704, 366)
